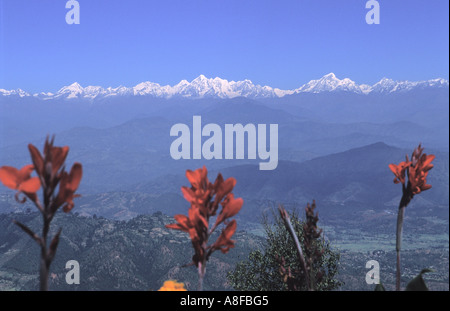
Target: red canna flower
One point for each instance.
(68, 185)
(222, 188)
(230, 207)
(20, 180)
(416, 170)
(51, 173)
(48, 167)
(205, 198)
(184, 224)
(224, 242)
(198, 178)
(399, 171)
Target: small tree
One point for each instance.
(277, 266)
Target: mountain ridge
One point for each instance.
(203, 87)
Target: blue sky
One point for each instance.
(279, 43)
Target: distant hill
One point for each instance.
(136, 151)
(358, 177)
(139, 254)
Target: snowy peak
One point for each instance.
(386, 85)
(15, 93)
(145, 88)
(330, 76)
(75, 90)
(203, 87)
(330, 83)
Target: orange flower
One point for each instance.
(399, 171)
(231, 207)
(419, 172)
(416, 170)
(198, 178)
(184, 224)
(68, 185)
(224, 242)
(172, 286)
(51, 173)
(50, 168)
(196, 225)
(20, 180)
(52, 161)
(205, 199)
(222, 189)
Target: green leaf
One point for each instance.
(418, 283)
(380, 288)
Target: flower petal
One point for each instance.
(25, 172)
(188, 194)
(393, 168)
(75, 177)
(197, 219)
(225, 188)
(37, 159)
(224, 242)
(9, 176)
(183, 223)
(231, 207)
(193, 177)
(197, 178)
(31, 185)
(428, 159)
(59, 155)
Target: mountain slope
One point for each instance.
(139, 254)
(355, 178)
(358, 177)
(136, 151)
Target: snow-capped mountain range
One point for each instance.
(203, 87)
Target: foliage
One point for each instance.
(261, 271)
(418, 283)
